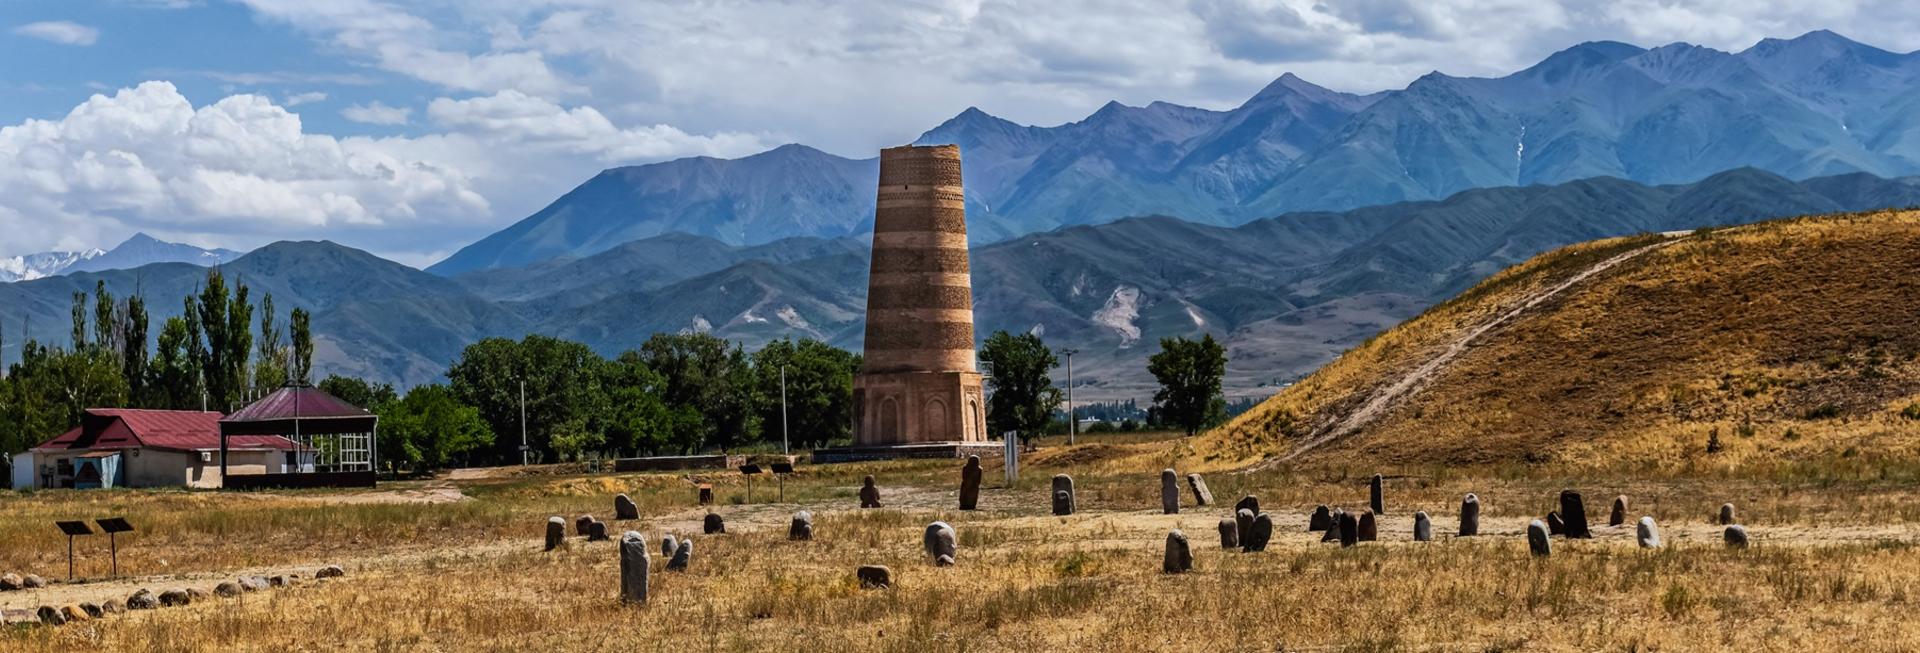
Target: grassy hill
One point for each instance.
(1788, 342)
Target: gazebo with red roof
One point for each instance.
(335, 438)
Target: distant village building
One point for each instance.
(123, 447)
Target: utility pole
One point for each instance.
(784, 450)
(1073, 427)
(524, 452)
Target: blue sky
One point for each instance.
(412, 128)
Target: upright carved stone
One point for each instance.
(624, 509)
(1369, 527)
(941, 542)
(582, 525)
(801, 529)
(1726, 514)
(1376, 497)
(1169, 492)
(1062, 495)
(556, 532)
(1257, 537)
(1648, 533)
(1321, 520)
(874, 577)
(1248, 503)
(682, 556)
(869, 493)
(1470, 515)
(597, 531)
(1349, 530)
(1574, 512)
(1422, 527)
(1201, 495)
(713, 524)
(970, 484)
(1619, 514)
(1736, 536)
(1229, 534)
(1556, 525)
(1333, 525)
(918, 381)
(1538, 540)
(634, 561)
(1243, 525)
(1179, 558)
(668, 545)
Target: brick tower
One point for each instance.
(919, 384)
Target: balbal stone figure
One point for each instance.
(1619, 514)
(1256, 539)
(1574, 513)
(1726, 514)
(801, 530)
(682, 556)
(714, 524)
(634, 567)
(1179, 558)
(1422, 527)
(1556, 525)
(1470, 515)
(941, 543)
(582, 525)
(1248, 503)
(1321, 520)
(1376, 495)
(597, 531)
(556, 532)
(1062, 495)
(1736, 536)
(1333, 528)
(874, 577)
(1349, 528)
(1369, 527)
(1201, 495)
(624, 509)
(970, 484)
(668, 545)
(1537, 539)
(869, 493)
(1243, 525)
(1648, 533)
(1169, 492)
(1229, 534)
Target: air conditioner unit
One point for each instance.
(206, 456)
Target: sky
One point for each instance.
(410, 129)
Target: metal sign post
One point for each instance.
(72, 529)
(749, 470)
(114, 526)
(1011, 440)
(781, 470)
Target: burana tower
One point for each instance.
(919, 385)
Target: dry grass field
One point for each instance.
(457, 565)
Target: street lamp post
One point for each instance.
(524, 452)
(784, 449)
(1073, 427)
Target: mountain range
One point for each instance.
(1285, 293)
(139, 250)
(1815, 105)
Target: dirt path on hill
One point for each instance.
(1386, 397)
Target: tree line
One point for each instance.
(674, 394)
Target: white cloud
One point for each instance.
(377, 113)
(60, 31)
(401, 42)
(298, 99)
(515, 117)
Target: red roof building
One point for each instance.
(152, 448)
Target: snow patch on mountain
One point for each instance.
(1121, 309)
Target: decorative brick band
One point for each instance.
(914, 296)
(918, 260)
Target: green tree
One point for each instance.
(134, 364)
(1190, 373)
(819, 381)
(106, 319)
(638, 421)
(1023, 397)
(703, 373)
(302, 345)
(270, 369)
(226, 323)
(359, 392)
(431, 429)
(51, 388)
(176, 371)
(562, 390)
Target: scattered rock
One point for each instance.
(197, 594)
(50, 616)
(171, 598)
(12, 582)
(624, 509)
(33, 582)
(1349, 527)
(1229, 534)
(1201, 495)
(281, 580)
(1062, 495)
(75, 614)
(1470, 515)
(801, 529)
(1736, 536)
(1321, 520)
(1257, 538)
(874, 577)
(227, 589)
(1556, 526)
(1376, 497)
(1726, 514)
(1369, 527)
(597, 531)
(668, 546)
(253, 583)
(1169, 492)
(1243, 525)
(1422, 527)
(1179, 558)
(713, 525)
(1333, 528)
(1248, 503)
(143, 600)
(682, 556)
(941, 541)
(1648, 534)
(334, 571)
(556, 532)
(634, 567)
(1619, 514)
(1574, 513)
(1537, 539)
(93, 610)
(113, 607)
(582, 525)
(869, 493)
(970, 484)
